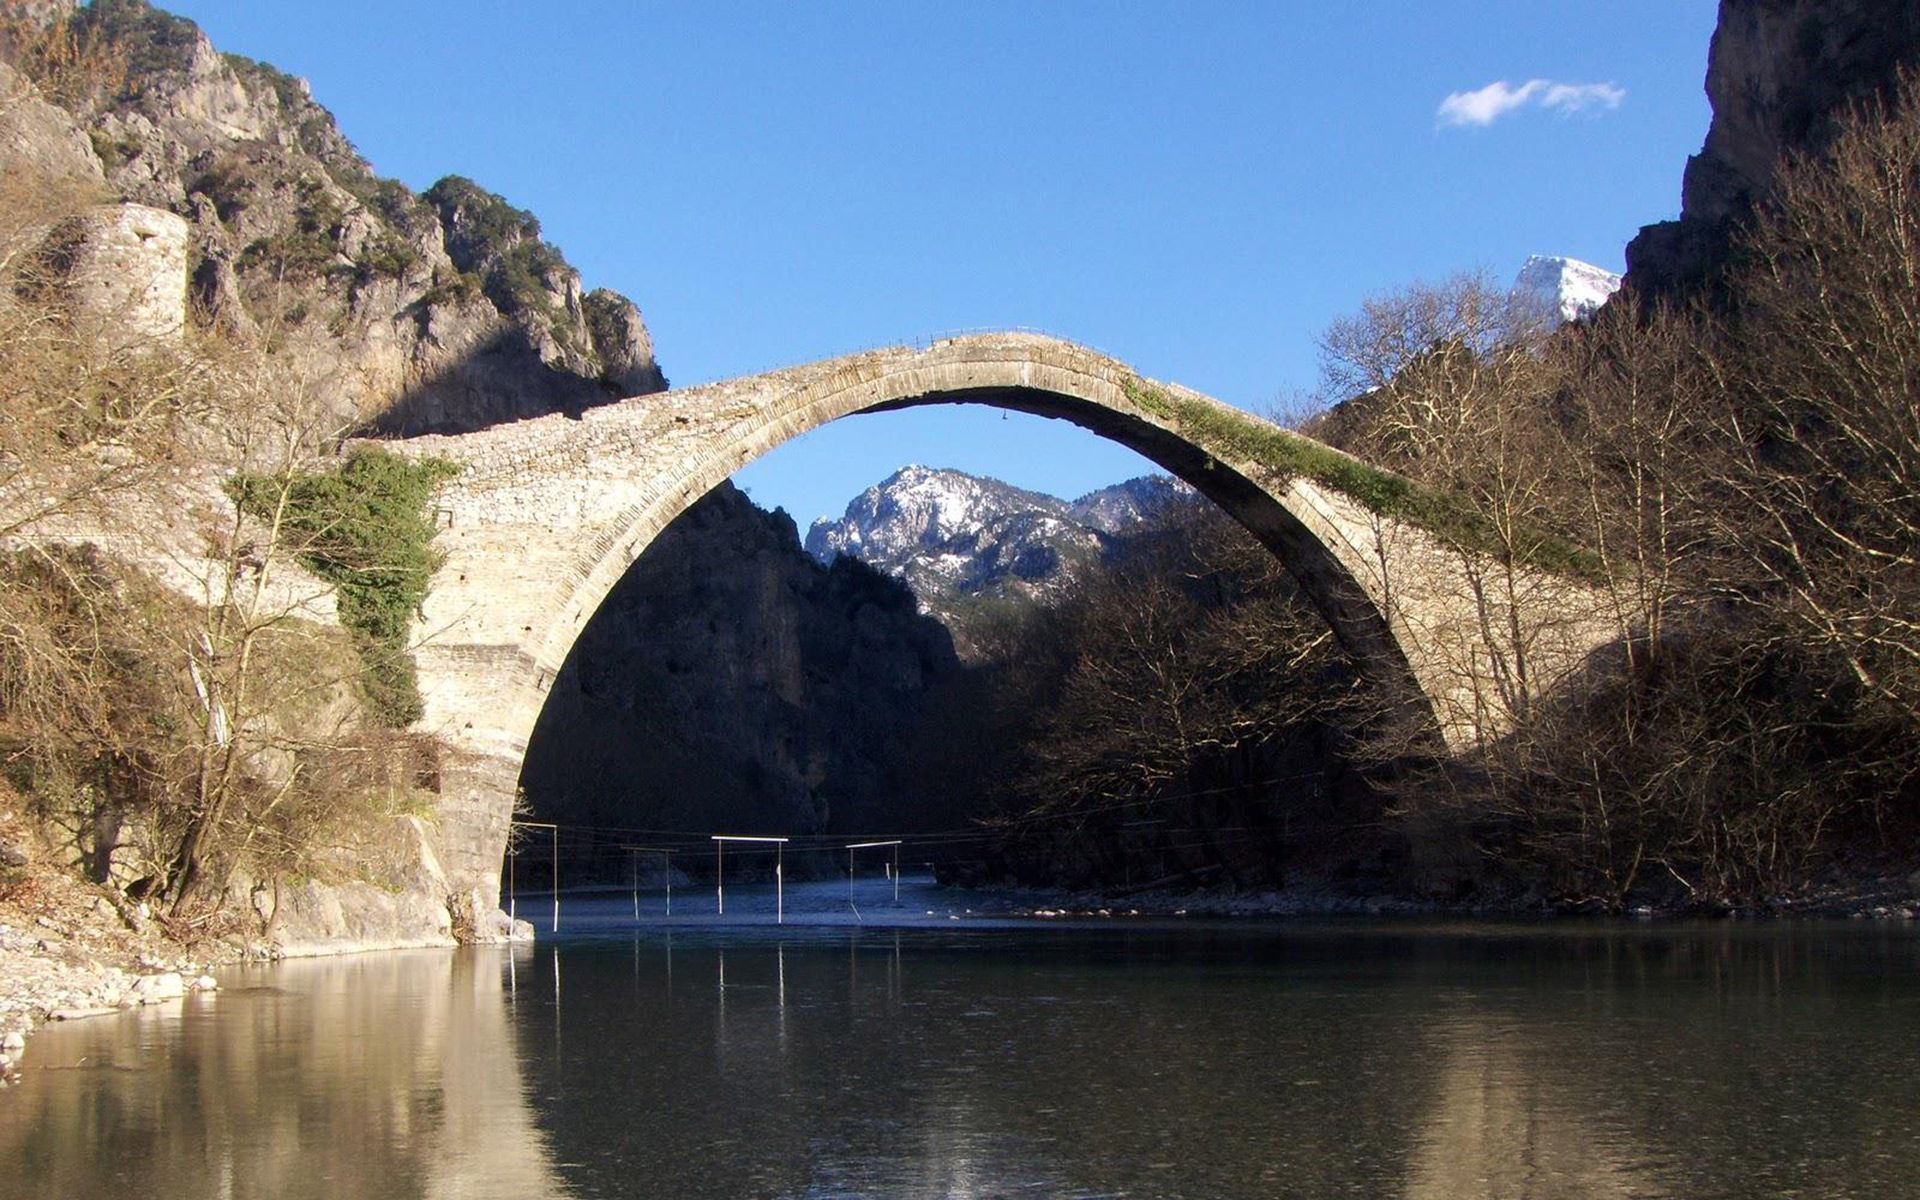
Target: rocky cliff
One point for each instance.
(436, 312)
(1780, 74)
(731, 681)
(183, 191)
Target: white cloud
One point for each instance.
(1578, 97)
(1492, 101)
(1485, 105)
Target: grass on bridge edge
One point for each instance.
(1446, 515)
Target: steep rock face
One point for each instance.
(1780, 74)
(440, 313)
(41, 139)
(969, 545)
(180, 185)
(729, 680)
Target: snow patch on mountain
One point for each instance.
(963, 542)
(1564, 289)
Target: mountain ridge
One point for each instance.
(970, 544)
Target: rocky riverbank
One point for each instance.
(67, 951)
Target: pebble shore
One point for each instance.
(67, 953)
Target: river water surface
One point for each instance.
(943, 1058)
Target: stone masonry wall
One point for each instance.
(127, 269)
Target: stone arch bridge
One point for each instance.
(547, 514)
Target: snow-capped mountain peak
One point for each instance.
(957, 538)
(920, 507)
(1564, 288)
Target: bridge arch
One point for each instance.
(1041, 376)
(547, 514)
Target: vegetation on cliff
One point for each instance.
(363, 526)
(1748, 474)
(1741, 479)
(179, 713)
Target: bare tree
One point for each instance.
(1163, 692)
(1822, 490)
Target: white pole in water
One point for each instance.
(666, 863)
(719, 888)
(892, 869)
(779, 887)
(556, 866)
(719, 843)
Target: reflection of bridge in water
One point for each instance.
(1310, 1058)
(547, 514)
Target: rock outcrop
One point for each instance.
(40, 139)
(1780, 76)
(435, 313)
(729, 680)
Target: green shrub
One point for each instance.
(488, 224)
(308, 249)
(291, 255)
(366, 529)
(458, 287)
(387, 255)
(113, 151)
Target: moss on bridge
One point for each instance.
(1453, 518)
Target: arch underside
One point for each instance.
(1325, 572)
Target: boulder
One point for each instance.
(153, 989)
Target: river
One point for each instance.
(910, 1055)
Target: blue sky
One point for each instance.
(1195, 188)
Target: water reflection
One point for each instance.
(1497, 1124)
(374, 1076)
(1522, 1063)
